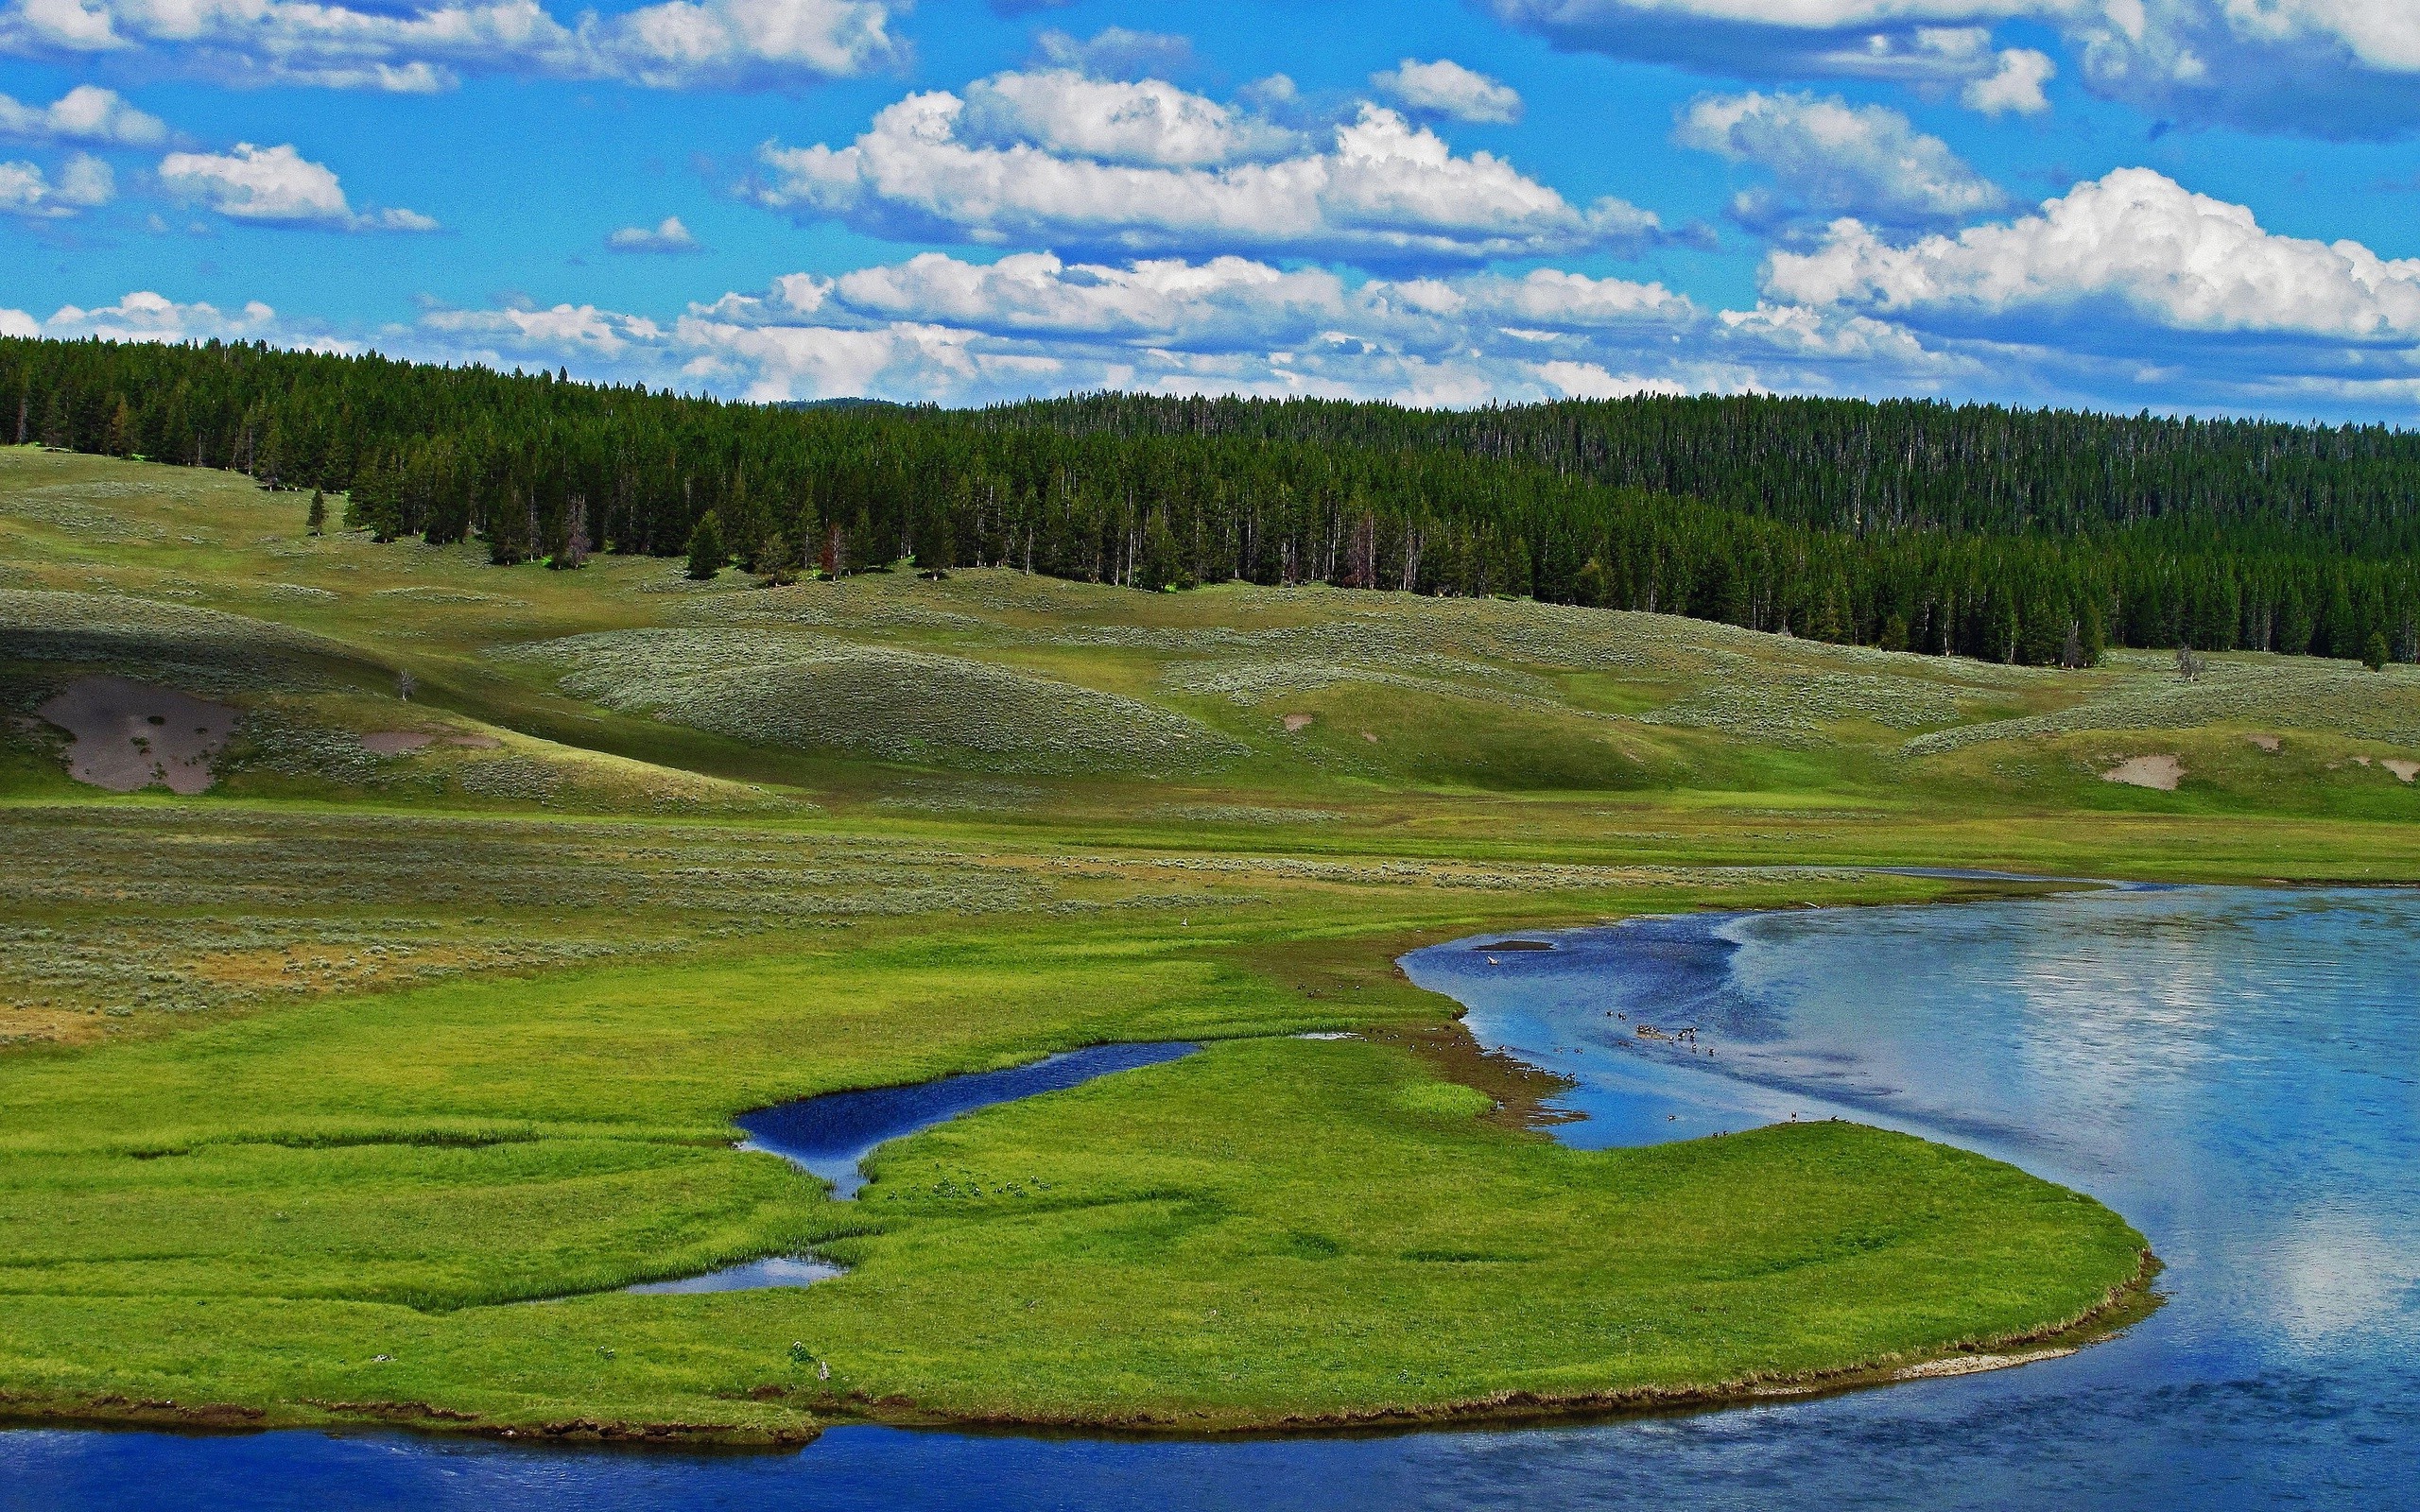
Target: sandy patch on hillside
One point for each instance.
(1296, 724)
(405, 742)
(2404, 771)
(394, 742)
(2159, 773)
(2267, 742)
(129, 736)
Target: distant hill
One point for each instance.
(2032, 536)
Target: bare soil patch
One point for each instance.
(2404, 771)
(2159, 773)
(405, 742)
(1296, 724)
(129, 736)
(2267, 742)
(394, 742)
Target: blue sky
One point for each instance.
(2175, 204)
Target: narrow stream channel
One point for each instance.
(830, 1136)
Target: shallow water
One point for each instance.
(750, 1276)
(2232, 1070)
(129, 736)
(831, 1134)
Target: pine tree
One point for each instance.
(707, 554)
(576, 546)
(1157, 568)
(2374, 652)
(317, 520)
(777, 560)
(2093, 634)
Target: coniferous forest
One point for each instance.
(2038, 536)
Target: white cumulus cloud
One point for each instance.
(1148, 122)
(2127, 290)
(2335, 68)
(1589, 380)
(2339, 68)
(1830, 157)
(1116, 52)
(87, 180)
(2017, 89)
(1160, 170)
(600, 339)
(86, 114)
(940, 327)
(149, 317)
(2133, 244)
(421, 47)
(1446, 88)
(666, 235)
(275, 187)
(84, 183)
(1937, 42)
(25, 190)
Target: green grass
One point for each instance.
(359, 1056)
(1278, 1228)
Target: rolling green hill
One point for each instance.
(2026, 536)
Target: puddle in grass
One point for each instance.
(129, 736)
(782, 1270)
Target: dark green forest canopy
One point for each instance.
(2037, 535)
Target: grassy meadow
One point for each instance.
(354, 1088)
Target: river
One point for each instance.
(2232, 1069)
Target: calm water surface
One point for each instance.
(831, 1134)
(2233, 1070)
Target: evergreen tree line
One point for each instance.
(2216, 536)
(1863, 467)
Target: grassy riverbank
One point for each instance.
(314, 1087)
(357, 1202)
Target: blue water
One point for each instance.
(2233, 1070)
(750, 1276)
(831, 1134)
